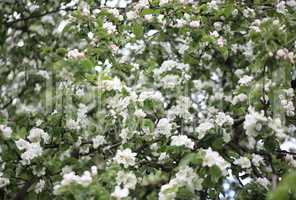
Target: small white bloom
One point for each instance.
(4, 182)
(263, 181)
(109, 27)
(94, 170)
(75, 54)
(213, 158)
(90, 35)
(127, 179)
(140, 113)
(164, 127)
(257, 160)
(194, 24)
(182, 140)
(98, 141)
(120, 193)
(243, 162)
(125, 157)
(245, 80)
(5, 131)
(130, 15)
(72, 124)
(203, 128)
(36, 134)
(39, 186)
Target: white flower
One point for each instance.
(257, 160)
(248, 49)
(125, 157)
(39, 186)
(140, 113)
(154, 95)
(291, 160)
(120, 193)
(203, 128)
(243, 162)
(164, 127)
(94, 170)
(245, 80)
(194, 24)
(4, 182)
(117, 3)
(33, 150)
(170, 81)
(222, 119)
(253, 122)
(108, 85)
(163, 156)
(163, 2)
(75, 54)
(22, 144)
(213, 158)
(186, 176)
(263, 181)
(85, 179)
(221, 41)
(239, 98)
(110, 27)
(72, 124)
(90, 35)
(127, 179)
(36, 134)
(71, 177)
(281, 7)
(182, 140)
(130, 15)
(6, 131)
(98, 141)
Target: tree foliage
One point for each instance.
(148, 99)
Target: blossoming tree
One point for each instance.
(148, 99)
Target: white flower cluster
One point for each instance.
(203, 128)
(223, 119)
(81, 121)
(5, 131)
(32, 150)
(109, 85)
(110, 27)
(39, 187)
(243, 162)
(32, 147)
(98, 141)
(170, 65)
(150, 94)
(116, 3)
(181, 109)
(182, 140)
(125, 181)
(245, 80)
(253, 122)
(3, 181)
(125, 157)
(185, 177)
(75, 54)
(239, 98)
(285, 55)
(213, 158)
(287, 102)
(36, 134)
(71, 178)
(164, 127)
